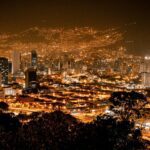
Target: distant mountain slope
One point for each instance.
(60, 39)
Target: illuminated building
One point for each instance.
(4, 70)
(2, 96)
(15, 62)
(145, 72)
(146, 79)
(9, 91)
(145, 65)
(33, 58)
(30, 76)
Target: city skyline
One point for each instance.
(74, 74)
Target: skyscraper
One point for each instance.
(33, 58)
(30, 76)
(146, 79)
(4, 70)
(145, 72)
(15, 62)
(9, 66)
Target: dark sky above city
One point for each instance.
(132, 16)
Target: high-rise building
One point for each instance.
(145, 65)
(3, 70)
(117, 65)
(30, 76)
(9, 66)
(145, 79)
(16, 57)
(145, 72)
(33, 58)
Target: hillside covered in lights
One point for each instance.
(60, 40)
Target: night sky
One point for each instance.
(132, 16)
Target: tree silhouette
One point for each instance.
(4, 106)
(127, 104)
(9, 122)
(60, 131)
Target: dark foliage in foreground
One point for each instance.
(3, 106)
(59, 131)
(128, 104)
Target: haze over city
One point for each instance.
(74, 75)
(131, 17)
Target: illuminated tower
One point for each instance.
(4, 70)
(15, 62)
(145, 72)
(30, 76)
(145, 65)
(33, 58)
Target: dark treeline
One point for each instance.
(60, 131)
